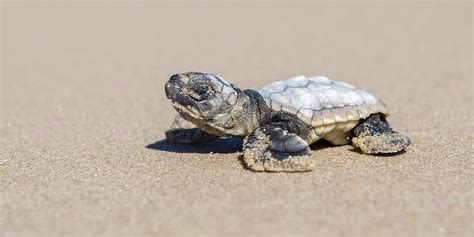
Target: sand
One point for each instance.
(84, 115)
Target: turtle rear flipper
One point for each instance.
(375, 136)
(271, 149)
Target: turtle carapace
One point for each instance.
(280, 120)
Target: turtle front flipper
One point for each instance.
(185, 132)
(375, 136)
(270, 148)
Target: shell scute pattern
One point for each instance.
(297, 82)
(340, 114)
(325, 98)
(352, 98)
(278, 86)
(306, 115)
(317, 118)
(328, 117)
(321, 102)
(320, 80)
(317, 88)
(352, 114)
(344, 85)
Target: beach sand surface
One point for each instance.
(83, 114)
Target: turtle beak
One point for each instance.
(168, 90)
(174, 85)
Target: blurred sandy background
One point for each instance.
(82, 98)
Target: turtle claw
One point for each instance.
(278, 152)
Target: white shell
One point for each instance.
(319, 101)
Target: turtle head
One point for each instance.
(205, 99)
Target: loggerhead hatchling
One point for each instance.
(279, 120)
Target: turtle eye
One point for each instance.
(200, 93)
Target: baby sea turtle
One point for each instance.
(279, 120)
